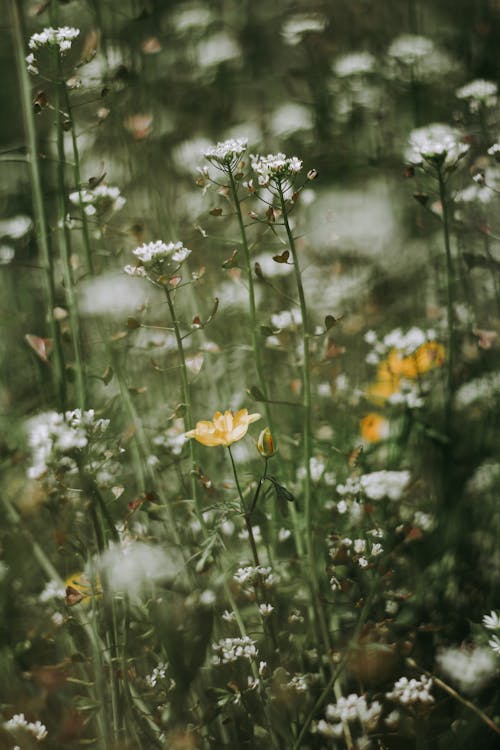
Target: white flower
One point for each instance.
(226, 154)
(286, 319)
(436, 143)
(495, 644)
(36, 728)
(354, 64)
(410, 48)
(299, 24)
(478, 92)
(470, 669)
(381, 484)
(229, 650)
(155, 252)
(59, 37)
(275, 168)
(266, 609)
(410, 692)
(492, 621)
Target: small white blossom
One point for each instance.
(435, 144)
(354, 64)
(275, 168)
(266, 609)
(495, 644)
(381, 484)
(478, 92)
(229, 650)
(59, 37)
(297, 25)
(36, 728)
(227, 154)
(411, 692)
(492, 621)
(155, 252)
(468, 668)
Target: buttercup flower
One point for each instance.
(374, 428)
(224, 429)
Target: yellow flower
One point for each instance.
(374, 428)
(224, 429)
(396, 367)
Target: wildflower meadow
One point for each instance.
(250, 396)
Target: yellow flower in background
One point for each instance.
(374, 428)
(396, 367)
(224, 429)
(425, 358)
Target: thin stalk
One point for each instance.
(245, 512)
(451, 691)
(306, 383)
(307, 437)
(325, 693)
(186, 395)
(66, 247)
(251, 295)
(47, 264)
(449, 295)
(76, 167)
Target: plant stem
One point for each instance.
(251, 295)
(454, 694)
(186, 395)
(38, 207)
(245, 512)
(66, 244)
(76, 163)
(449, 296)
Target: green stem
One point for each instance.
(47, 264)
(325, 693)
(449, 296)
(76, 163)
(186, 395)
(251, 295)
(307, 403)
(69, 287)
(245, 512)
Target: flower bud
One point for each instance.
(265, 443)
(312, 174)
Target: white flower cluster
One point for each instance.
(479, 389)
(54, 435)
(349, 709)
(98, 200)
(494, 149)
(53, 590)
(410, 49)
(408, 396)
(61, 37)
(254, 575)
(477, 93)
(358, 550)
(470, 669)
(275, 168)
(435, 144)
(354, 64)
(226, 154)
(36, 728)
(153, 254)
(299, 24)
(492, 622)
(406, 343)
(302, 683)
(286, 319)
(158, 673)
(229, 650)
(384, 483)
(411, 692)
